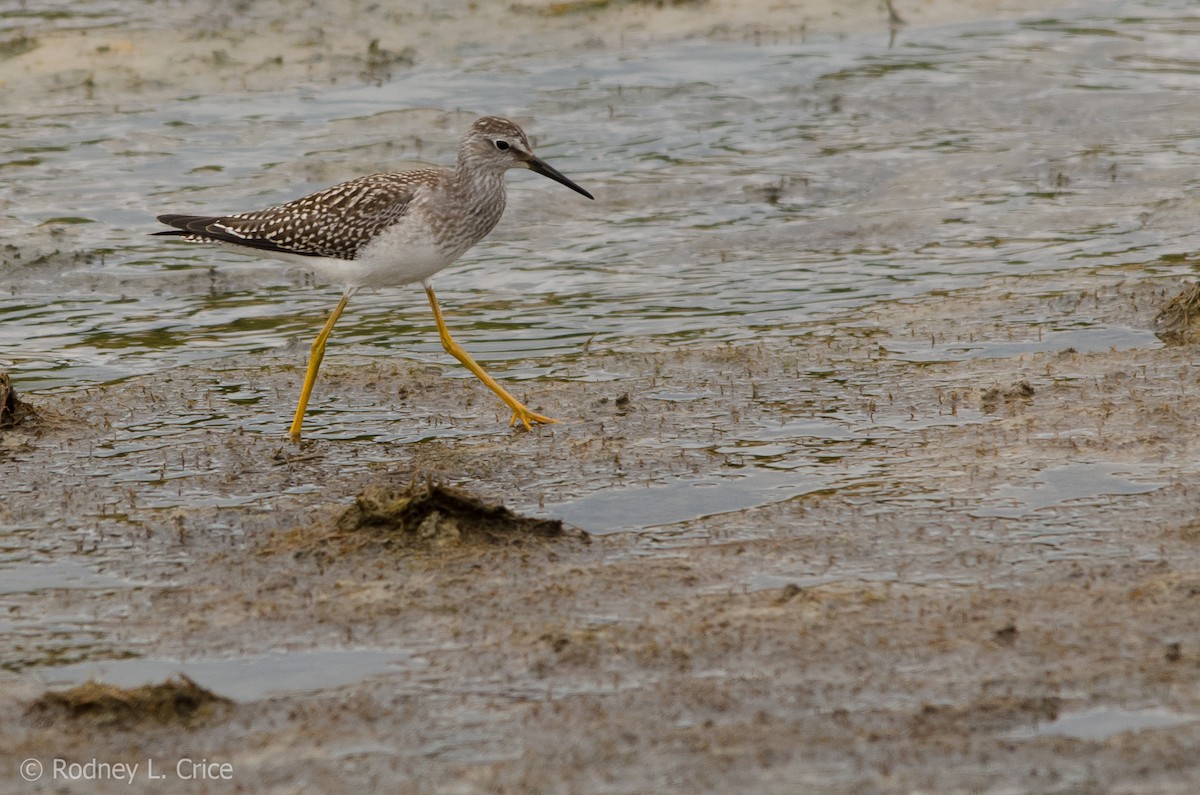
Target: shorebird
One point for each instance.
(387, 230)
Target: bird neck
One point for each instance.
(479, 188)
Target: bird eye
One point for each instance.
(501, 144)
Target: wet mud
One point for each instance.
(1002, 543)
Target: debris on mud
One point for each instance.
(178, 701)
(998, 713)
(995, 398)
(1175, 323)
(437, 515)
(13, 410)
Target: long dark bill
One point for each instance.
(546, 170)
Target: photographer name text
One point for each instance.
(184, 769)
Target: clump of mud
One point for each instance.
(431, 514)
(1176, 323)
(177, 701)
(13, 411)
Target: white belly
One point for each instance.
(395, 258)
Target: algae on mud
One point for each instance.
(177, 701)
(14, 412)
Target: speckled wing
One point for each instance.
(336, 222)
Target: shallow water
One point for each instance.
(739, 194)
(744, 190)
(242, 678)
(1073, 482)
(1103, 722)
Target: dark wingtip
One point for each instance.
(169, 220)
(184, 224)
(208, 229)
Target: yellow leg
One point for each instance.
(520, 413)
(314, 364)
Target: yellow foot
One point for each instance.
(525, 417)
